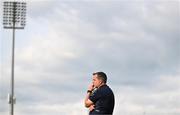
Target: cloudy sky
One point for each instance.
(136, 42)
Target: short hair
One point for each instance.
(101, 75)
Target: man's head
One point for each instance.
(99, 78)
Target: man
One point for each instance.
(101, 101)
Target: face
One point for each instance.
(96, 82)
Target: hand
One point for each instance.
(91, 107)
(91, 87)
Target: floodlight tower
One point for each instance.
(14, 17)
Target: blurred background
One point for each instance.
(135, 42)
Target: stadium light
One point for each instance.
(14, 17)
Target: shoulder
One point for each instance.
(105, 89)
(108, 91)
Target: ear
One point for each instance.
(101, 81)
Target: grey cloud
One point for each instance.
(153, 52)
(134, 42)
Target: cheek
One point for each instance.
(99, 83)
(95, 82)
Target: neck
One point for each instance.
(102, 85)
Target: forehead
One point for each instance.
(94, 76)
